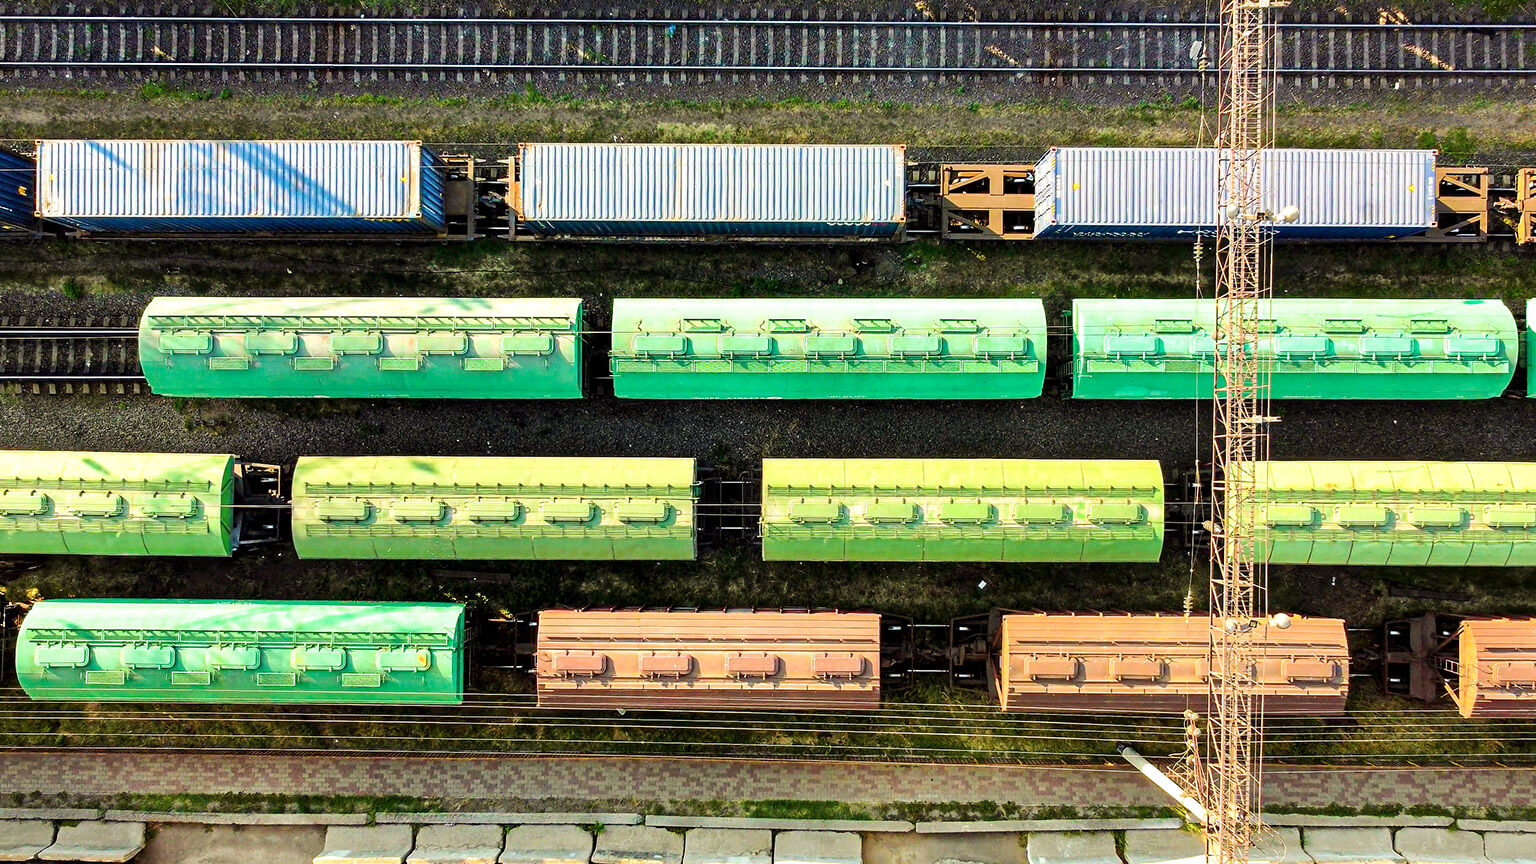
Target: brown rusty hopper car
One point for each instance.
(1157, 663)
(699, 660)
(1497, 668)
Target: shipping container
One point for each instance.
(1014, 510)
(1321, 348)
(485, 507)
(1160, 664)
(61, 502)
(216, 651)
(1172, 193)
(726, 191)
(246, 187)
(1405, 514)
(18, 179)
(361, 348)
(813, 348)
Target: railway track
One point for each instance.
(65, 356)
(805, 48)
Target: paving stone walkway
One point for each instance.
(591, 778)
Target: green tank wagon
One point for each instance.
(362, 348)
(828, 349)
(216, 651)
(61, 502)
(962, 510)
(1451, 514)
(1312, 348)
(481, 507)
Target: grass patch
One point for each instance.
(1487, 128)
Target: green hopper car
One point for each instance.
(1453, 514)
(503, 508)
(828, 349)
(1024, 510)
(87, 503)
(264, 652)
(360, 348)
(1312, 349)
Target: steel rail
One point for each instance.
(35, 45)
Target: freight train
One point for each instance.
(816, 348)
(1462, 514)
(719, 192)
(204, 651)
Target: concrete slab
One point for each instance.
(1350, 845)
(637, 844)
(1164, 847)
(985, 848)
(96, 841)
(818, 847)
(1030, 826)
(1279, 846)
(1500, 826)
(1090, 847)
(863, 826)
(63, 814)
(456, 844)
(455, 818)
(1508, 847)
(547, 844)
(727, 846)
(374, 844)
(160, 817)
(1440, 846)
(182, 843)
(22, 839)
(1303, 820)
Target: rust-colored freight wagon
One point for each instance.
(1497, 668)
(1158, 663)
(689, 660)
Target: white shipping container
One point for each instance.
(1173, 192)
(670, 190)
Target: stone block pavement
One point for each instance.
(662, 778)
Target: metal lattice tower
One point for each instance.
(1240, 439)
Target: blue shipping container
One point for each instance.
(1172, 193)
(637, 191)
(17, 180)
(353, 187)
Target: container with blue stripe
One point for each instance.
(246, 187)
(704, 191)
(1171, 193)
(17, 180)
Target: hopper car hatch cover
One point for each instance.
(1159, 663)
(360, 348)
(1494, 672)
(460, 508)
(828, 349)
(1415, 514)
(59, 502)
(1310, 348)
(962, 510)
(665, 660)
(215, 651)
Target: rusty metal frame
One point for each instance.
(1525, 203)
(1461, 206)
(972, 200)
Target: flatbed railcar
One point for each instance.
(817, 348)
(733, 192)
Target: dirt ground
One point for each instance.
(233, 844)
